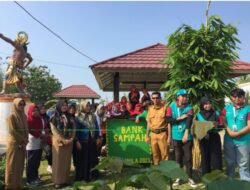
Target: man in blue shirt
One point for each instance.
(237, 137)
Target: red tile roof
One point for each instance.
(240, 65)
(148, 57)
(77, 91)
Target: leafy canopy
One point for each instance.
(201, 61)
(41, 84)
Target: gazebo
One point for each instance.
(143, 68)
(77, 92)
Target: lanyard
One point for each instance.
(178, 112)
(235, 115)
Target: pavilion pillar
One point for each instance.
(144, 84)
(92, 101)
(116, 87)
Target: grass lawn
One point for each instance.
(47, 183)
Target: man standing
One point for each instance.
(180, 115)
(237, 137)
(156, 123)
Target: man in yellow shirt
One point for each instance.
(161, 131)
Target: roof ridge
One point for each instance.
(123, 55)
(240, 62)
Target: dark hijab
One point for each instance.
(62, 120)
(207, 115)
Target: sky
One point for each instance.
(103, 30)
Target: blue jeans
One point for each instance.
(235, 153)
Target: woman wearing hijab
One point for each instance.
(134, 96)
(33, 148)
(101, 121)
(88, 142)
(47, 144)
(210, 145)
(146, 96)
(63, 133)
(17, 140)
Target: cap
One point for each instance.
(181, 92)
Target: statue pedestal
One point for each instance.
(6, 102)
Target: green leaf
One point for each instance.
(117, 164)
(156, 181)
(196, 50)
(226, 30)
(212, 176)
(228, 184)
(176, 173)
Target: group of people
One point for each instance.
(80, 133)
(174, 123)
(60, 136)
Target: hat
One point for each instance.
(181, 92)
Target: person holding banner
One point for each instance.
(180, 115)
(237, 137)
(210, 145)
(156, 123)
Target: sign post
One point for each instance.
(126, 139)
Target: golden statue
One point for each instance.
(19, 60)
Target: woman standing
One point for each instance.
(17, 140)
(47, 144)
(33, 148)
(210, 145)
(63, 130)
(88, 142)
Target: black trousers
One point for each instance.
(86, 159)
(48, 155)
(211, 154)
(183, 155)
(75, 153)
(33, 159)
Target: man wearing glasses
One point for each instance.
(237, 137)
(180, 115)
(156, 123)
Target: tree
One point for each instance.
(201, 61)
(41, 84)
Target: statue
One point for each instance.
(18, 61)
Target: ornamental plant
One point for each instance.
(201, 61)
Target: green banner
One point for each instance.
(126, 139)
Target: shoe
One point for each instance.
(32, 183)
(38, 181)
(59, 186)
(49, 169)
(192, 183)
(177, 182)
